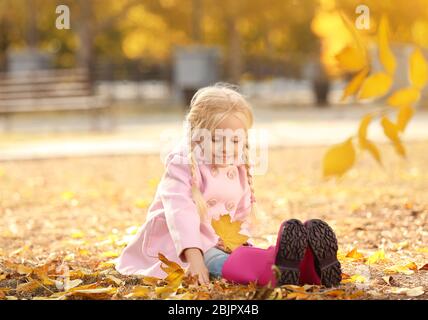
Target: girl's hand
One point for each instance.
(220, 245)
(197, 265)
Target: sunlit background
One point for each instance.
(126, 64)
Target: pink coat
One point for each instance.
(173, 223)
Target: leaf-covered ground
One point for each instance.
(65, 220)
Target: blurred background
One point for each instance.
(126, 69)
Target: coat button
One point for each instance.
(229, 205)
(214, 171)
(231, 173)
(212, 202)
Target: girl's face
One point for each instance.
(228, 141)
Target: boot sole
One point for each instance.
(292, 247)
(323, 243)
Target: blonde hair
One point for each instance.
(208, 107)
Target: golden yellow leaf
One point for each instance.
(297, 296)
(139, 292)
(404, 115)
(364, 143)
(109, 254)
(339, 159)
(356, 278)
(355, 84)
(351, 59)
(385, 54)
(391, 131)
(173, 270)
(376, 85)
(335, 293)
(228, 231)
(354, 254)
(418, 69)
(77, 234)
(409, 268)
(404, 97)
(376, 257)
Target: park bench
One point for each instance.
(52, 90)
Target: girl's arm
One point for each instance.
(196, 264)
(182, 217)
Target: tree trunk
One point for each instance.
(85, 54)
(235, 52)
(197, 12)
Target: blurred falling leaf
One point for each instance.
(404, 97)
(404, 115)
(418, 70)
(385, 54)
(364, 143)
(339, 159)
(351, 59)
(355, 84)
(375, 86)
(391, 131)
(228, 231)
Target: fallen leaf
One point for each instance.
(354, 254)
(139, 292)
(424, 267)
(409, 268)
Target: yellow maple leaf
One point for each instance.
(228, 231)
(339, 159)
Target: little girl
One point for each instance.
(209, 175)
